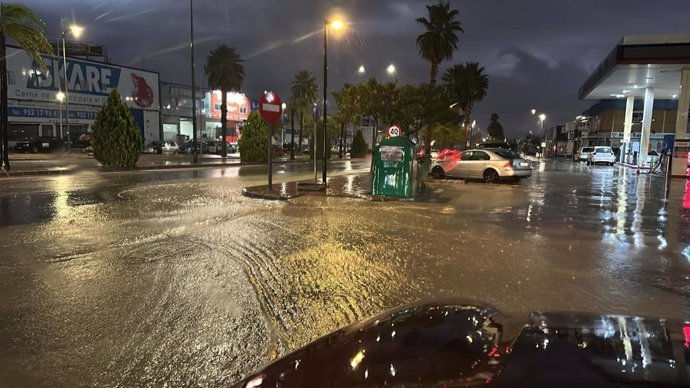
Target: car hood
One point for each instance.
(459, 344)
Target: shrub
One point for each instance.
(116, 139)
(359, 146)
(253, 141)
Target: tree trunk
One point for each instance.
(434, 73)
(3, 104)
(301, 127)
(292, 134)
(223, 120)
(342, 140)
(427, 139)
(468, 128)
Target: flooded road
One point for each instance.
(173, 277)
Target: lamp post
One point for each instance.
(191, 47)
(336, 25)
(60, 96)
(76, 32)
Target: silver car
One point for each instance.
(490, 165)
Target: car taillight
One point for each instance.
(509, 164)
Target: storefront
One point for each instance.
(239, 107)
(34, 109)
(176, 110)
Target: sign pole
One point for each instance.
(313, 152)
(270, 158)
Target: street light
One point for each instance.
(191, 48)
(60, 96)
(76, 31)
(542, 117)
(335, 24)
(534, 111)
(361, 70)
(391, 69)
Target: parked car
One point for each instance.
(40, 144)
(581, 155)
(161, 147)
(490, 165)
(601, 155)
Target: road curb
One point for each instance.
(14, 174)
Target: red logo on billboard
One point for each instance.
(142, 94)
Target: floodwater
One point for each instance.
(175, 278)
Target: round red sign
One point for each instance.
(270, 107)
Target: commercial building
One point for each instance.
(643, 88)
(176, 110)
(34, 109)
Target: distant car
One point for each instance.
(581, 155)
(40, 144)
(161, 147)
(601, 155)
(490, 165)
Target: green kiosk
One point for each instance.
(396, 171)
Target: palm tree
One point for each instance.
(440, 39)
(466, 84)
(20, 24)
(304, 92)
(225, 71)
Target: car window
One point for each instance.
(467, 155)
(480, 155)
(587, 149)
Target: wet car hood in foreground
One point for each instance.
(449, 345)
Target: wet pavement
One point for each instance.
(148, 278)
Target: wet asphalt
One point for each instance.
(173, 277)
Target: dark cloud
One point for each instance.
(537, 53)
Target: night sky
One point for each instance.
(537, 53)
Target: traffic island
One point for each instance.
(349, 186)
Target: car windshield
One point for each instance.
(392, 152)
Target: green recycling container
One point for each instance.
(395, 169)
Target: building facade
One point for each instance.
(603, 125)
(34, 109)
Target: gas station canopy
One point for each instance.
(638, 63)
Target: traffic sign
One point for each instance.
(394, 131)
(270, 107)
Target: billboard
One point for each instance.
(89, 83)
(238, 106)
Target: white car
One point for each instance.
(161, 147)
(601, 155)
(490, 165)
(582, 154)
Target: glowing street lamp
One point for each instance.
(391, 69)
(335, 24)
(361, 70)
(534, 111)
(76, 31)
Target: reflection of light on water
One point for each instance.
(61, 185)
(686, 253)
(350, 183)
(529, 213)
(662, 242)
(622, 203)
(283, 188)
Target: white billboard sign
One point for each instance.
(90, 82)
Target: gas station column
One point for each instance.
(627, 128)
(683, 105)
(646, 126)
